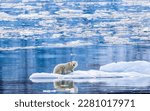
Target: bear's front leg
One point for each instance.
(72, 70)
(63, 70)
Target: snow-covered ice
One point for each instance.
(142, 67)
(135, 73)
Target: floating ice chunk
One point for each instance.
(76, 43)
(70, 11)
(56, 35)
(146, 29)
(19, 5)
(77, 76)
(6, 17)
(136, 2)
(47, 22)
(30, 16)
(81, 76)
(117, 40)
(26, 32)
(94, 76)
(133, 66)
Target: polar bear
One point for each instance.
(65, 68)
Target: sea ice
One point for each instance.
(142, 67)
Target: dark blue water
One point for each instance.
(37, 35)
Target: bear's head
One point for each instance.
(74, 64)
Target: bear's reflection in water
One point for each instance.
(65, 86)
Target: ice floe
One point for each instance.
(6, 17)
(69, 11)
(135, 73)
(117, 40)
(77, 43)
(70, 19)
(142, 67)
(136, 2)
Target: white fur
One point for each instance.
(65, 68)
